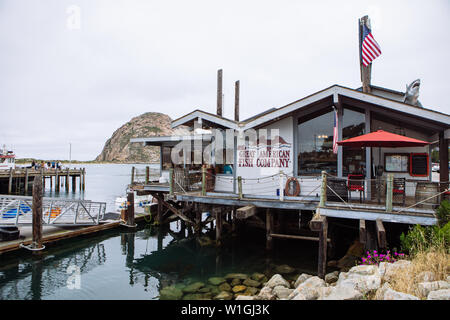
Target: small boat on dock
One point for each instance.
(7, 159)
(139, 201)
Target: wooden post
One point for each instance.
(240, 187)
(132, 174)
(269, 230)
(160, 208)
(51, 182)
(67, 180)
(203, 181)
(236, 101)
(389, 190)
(218, 226)
(37, 212)
(147, 174)
(362, 231)
(10, 180)
(81, 180)
(84, 179)
(56, 180)
(74, 183)
(365, 71)
(26, 181)
(323, 190)
(322, 263)
(130, 209)
(171, 182)
(198, 220)
(381, 234)
(219, 93)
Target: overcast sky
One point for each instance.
(67, 80)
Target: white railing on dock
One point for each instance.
(17, 210)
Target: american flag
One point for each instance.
(370, 49)
(335, 132)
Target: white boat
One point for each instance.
(139, 201)
(7, 159)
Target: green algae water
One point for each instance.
(138, 264)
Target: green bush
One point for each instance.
(443, 213)
(420, 239)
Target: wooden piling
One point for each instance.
(133, 169)
(130, 209)
(37, 213)
(240, 187)
(26, 181)
(74, 183)
(147, 174)
(219, 93)
(84, 179)
(389, 192)
(67, 180)
(203, 181)
(57, 180)
(236, 101)
(218, 226)
(362, 231)
(269, 230)
(10, 181)
(322, 261)
(323, 190)
(381, 234)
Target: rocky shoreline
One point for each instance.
(362, 282)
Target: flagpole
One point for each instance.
(366, 72)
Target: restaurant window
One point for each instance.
(353, 159)
(315, 145)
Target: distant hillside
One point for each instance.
(119, 149)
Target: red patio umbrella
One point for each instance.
(382, 138)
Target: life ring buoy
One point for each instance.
(287, 189)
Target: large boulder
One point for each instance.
(379, 295)
(332, 277)
(388, 270)
(258, 276)
(390, 294)
(426, 276)
(339, 293)
(225, 287)
(215, 281)
(266, 294)
(251, 283)
(309, 288)
(240, 276)
(425, 288)
(277, 280)
(194, 287)
(362, 278)
(242, 297)
(443, 294)
(282, 292)
(284, 269)
(224, 295)
(170, 293)
(239, 288)
(302, 278)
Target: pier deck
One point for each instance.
(19, 180)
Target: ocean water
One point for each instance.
(124, 264)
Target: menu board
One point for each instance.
(396, 163)
(419, 164)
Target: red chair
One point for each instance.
(355, 182)
(399, 188)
